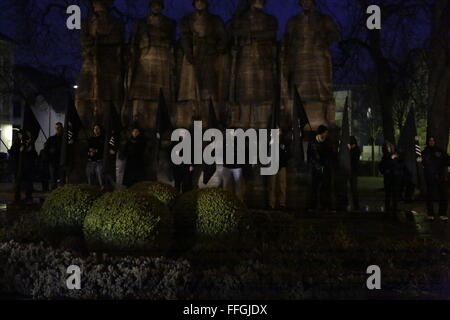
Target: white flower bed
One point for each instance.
(39, 272)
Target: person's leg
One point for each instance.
(282, 185)
(272, 191)
(120, 170)
(443, 199)
(409, 192)
(430, 200)
(315, 183)
(28, 190)
(89, 172)
(395, 197)
(53, 176)
(17, 189)
(325, 190)
(99, 172)
(227, 179)
(239, 183)
(354, 190)
(387, 195)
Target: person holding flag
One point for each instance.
(94, 165)
(320, 158)
(355, 156)
(53, 148)
(278, 182)
(26, 167)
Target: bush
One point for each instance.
(161, 191)
(26, 228)
(128, 221)
(210, 214)
(66, 207)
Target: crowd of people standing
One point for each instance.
(321, 157)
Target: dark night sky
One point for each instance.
(54, 46)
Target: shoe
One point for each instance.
(430, 218)
(444, 218)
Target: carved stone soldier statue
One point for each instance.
(204, 43)
(152, 67)
(308, 66)
(254, 66)
(100, 83)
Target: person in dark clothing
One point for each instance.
(436, 162)
(134, 152)
(407, 186)
(278, 182)
(94, 165)
(43, 169)
(233, 173)
(25, 168)
(53, 149)
(320, 158)
(392, 169)
(13, 153)
(182, 173)
(355, 155)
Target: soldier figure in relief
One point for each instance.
(307, 62)
(204, 44)
(152, 68)
(253, 81)
(100, 84)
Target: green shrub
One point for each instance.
(26, 228)
(128, 221)
(210, 214)
(66, 207)
(161, 191)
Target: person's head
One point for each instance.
(353, 141)
(322, 132)
(135, 132)
(431, 142)
(156, 6)
(200, 5)
(100, 6)
(59, 128)
(97, 130)
(388, 147)
(26, 135)
(308, 5)
(259, 4)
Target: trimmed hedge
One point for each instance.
(128, 221)
(66, 207)
(161, 191)
(210, 214)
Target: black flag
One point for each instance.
(409, 148)
(209, 170)
(30, 122)
(112, 131)
(163, 123)
(300, 122)
(213, 122)
(300, 114)
(72, 126)
(344, 151)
